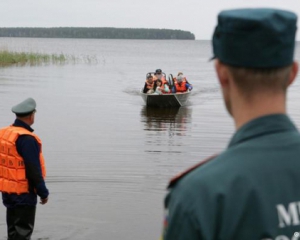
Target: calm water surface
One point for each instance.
(108, 157)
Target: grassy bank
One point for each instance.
(8, 58)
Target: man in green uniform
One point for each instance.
(251, 190)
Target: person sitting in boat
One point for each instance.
(161, 88)
(181, 84)
(184, 79)
(158, 75)
(149, 85)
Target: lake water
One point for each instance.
(108, 157)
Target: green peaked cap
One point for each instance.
(27, 106)
(255, 37)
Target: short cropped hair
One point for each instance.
(23, 115)
(252, 80)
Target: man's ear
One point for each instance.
(222, 73)
(293, 73)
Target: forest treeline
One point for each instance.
(102, 33)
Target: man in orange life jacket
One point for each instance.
(22, 172)
(149, 85)
(158, 75)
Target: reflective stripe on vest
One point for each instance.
(12, 168)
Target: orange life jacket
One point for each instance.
(149, 85)
(180, 87)
(12, 169)
(164, 81)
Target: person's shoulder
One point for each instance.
(195, 173)
(221, 168)
(213, 167)
(26, 139)
(203, 182)
(183, 174)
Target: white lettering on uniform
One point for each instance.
(288, 217)
(296, 236)
(282, 237)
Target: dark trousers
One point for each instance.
(20, 222)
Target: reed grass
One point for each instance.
(8, 58)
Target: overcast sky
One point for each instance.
(196, 16)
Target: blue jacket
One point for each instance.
(29, 149)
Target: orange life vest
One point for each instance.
(180, 87)
(12, 168)
(149, 85)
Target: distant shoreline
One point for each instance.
(98, 33)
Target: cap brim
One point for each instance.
(212, 58)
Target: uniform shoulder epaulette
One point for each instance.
(176, 178)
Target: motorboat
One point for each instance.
(166, 100)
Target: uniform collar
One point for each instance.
(19, 123)
(261, 126)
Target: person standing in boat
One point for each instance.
(149, 85)
(250, 190)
